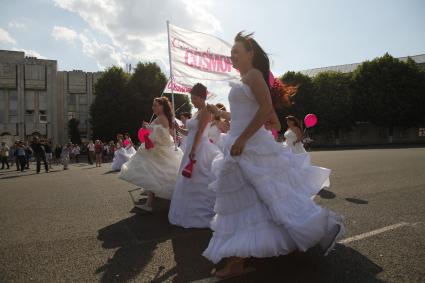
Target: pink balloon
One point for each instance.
(310, 120)
(142, 133)
(126, 142)
(271, 79)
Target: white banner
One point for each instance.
(200, 56)
(183, 88)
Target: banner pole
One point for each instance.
(171, 80)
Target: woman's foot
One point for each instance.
(234, 267)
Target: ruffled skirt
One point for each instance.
(264, 203)
(153, 170)
(192, 204)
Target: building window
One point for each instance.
(29, 116)
(42, 116)
(403, 133)
(83, 99)
(72, 99)
(422, 132)
(2, 108)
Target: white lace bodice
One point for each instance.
(160, 135)
(291, 137)
(213, 133)
(192, 127)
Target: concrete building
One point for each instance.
(74, 97)
(27, 96)
(36, 99)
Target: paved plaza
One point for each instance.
(79, 226)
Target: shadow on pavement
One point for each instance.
(344, 264)
(137, 237)
(357, 200)
(326, 194)
(111, 172)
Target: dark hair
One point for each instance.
(168, 112)
(295, 120)
(199, 90)
(220, 106)
(280, 92)
(261, 60)
(186, 114)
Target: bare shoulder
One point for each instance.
(163, 121)
(253, 76)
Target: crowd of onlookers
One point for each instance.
(20, 154)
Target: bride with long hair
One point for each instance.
(263, 206)
(155, 166)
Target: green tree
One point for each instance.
(388, 92)
(181, 103)
(73, 131)
(110, 107)
(303, 101)
(333, 102)
(146, 83)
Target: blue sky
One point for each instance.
(93, 34)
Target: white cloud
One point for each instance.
(136, 29)
(17, 25)
(63, 33)
(6, 38)
(105, 54)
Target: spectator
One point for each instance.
(20, 153)
(28, 155)
(39, 154)
(105, 152)
(12, 155)
(49, 153)
(66, 150)
(71, 153)
(76, 151)
(112, 149)
(91, 154)
(98, 147)
(58, 152)
(4, 155)
(15, 155)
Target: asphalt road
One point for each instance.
(78, 226)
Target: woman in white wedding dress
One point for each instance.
(192, 204)
(155, 169)
(294, 135)
(122, 155)
(263, 206)
(218, 127)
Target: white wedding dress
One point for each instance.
(263, 205)
(192, 205)
(214, 133)
(154, 169)
(121, 156)
(290, 139)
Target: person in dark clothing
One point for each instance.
(20, 153)
(4, 152)
(58, 152)
(28, 154)
(15, 154)
(49, 153)
(39, 154)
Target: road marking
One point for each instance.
(374, 232)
